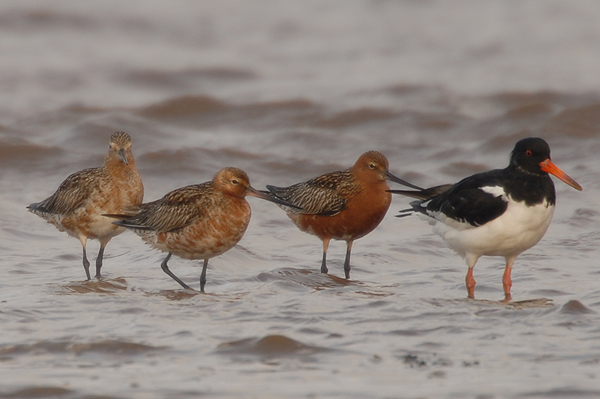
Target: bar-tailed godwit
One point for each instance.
(345, 205)
(80, 201)
(196, 222)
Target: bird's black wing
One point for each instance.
(475, 200)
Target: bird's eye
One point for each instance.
(234, 181)
(371, 166)
(528, 153)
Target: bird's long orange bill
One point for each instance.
(400, 181)
(259, 194)
(549, 167)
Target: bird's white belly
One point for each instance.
(516, 230)
(103, 227)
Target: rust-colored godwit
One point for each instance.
(502, 212)
(196, 222)
(345, 205)
(80, 201)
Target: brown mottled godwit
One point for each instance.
(196, 222)
(345, 205)
(80, 201)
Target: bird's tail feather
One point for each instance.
(124, 221)
(425, 194)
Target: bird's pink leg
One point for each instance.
(470, 283)
(471, 260)
(506, 280)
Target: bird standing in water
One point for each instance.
(502, 212)
(345, 205)
(200, 221)
(80, 201)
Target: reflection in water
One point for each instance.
(108, 286)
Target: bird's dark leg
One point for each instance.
(86, 264)
(347, 260)
(203, 275)
(165, 269)
(99, 259)
(324, 262)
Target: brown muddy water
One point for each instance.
(286, 91)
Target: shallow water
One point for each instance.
(286, 91)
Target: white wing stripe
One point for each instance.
(496, 191)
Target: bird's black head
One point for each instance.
(532, 156)
(529, 153)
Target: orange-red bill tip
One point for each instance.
(549, 167)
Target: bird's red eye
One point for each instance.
(528, 153)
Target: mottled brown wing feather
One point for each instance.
(174, 211)
(323, 195)
(72, 193)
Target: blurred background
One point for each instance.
(287, 90)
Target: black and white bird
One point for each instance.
(502, 212)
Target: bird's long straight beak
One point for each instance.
(123, 156)
(259, 194)
(400, 181)
(549, 167)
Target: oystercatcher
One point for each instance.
(502, 212)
